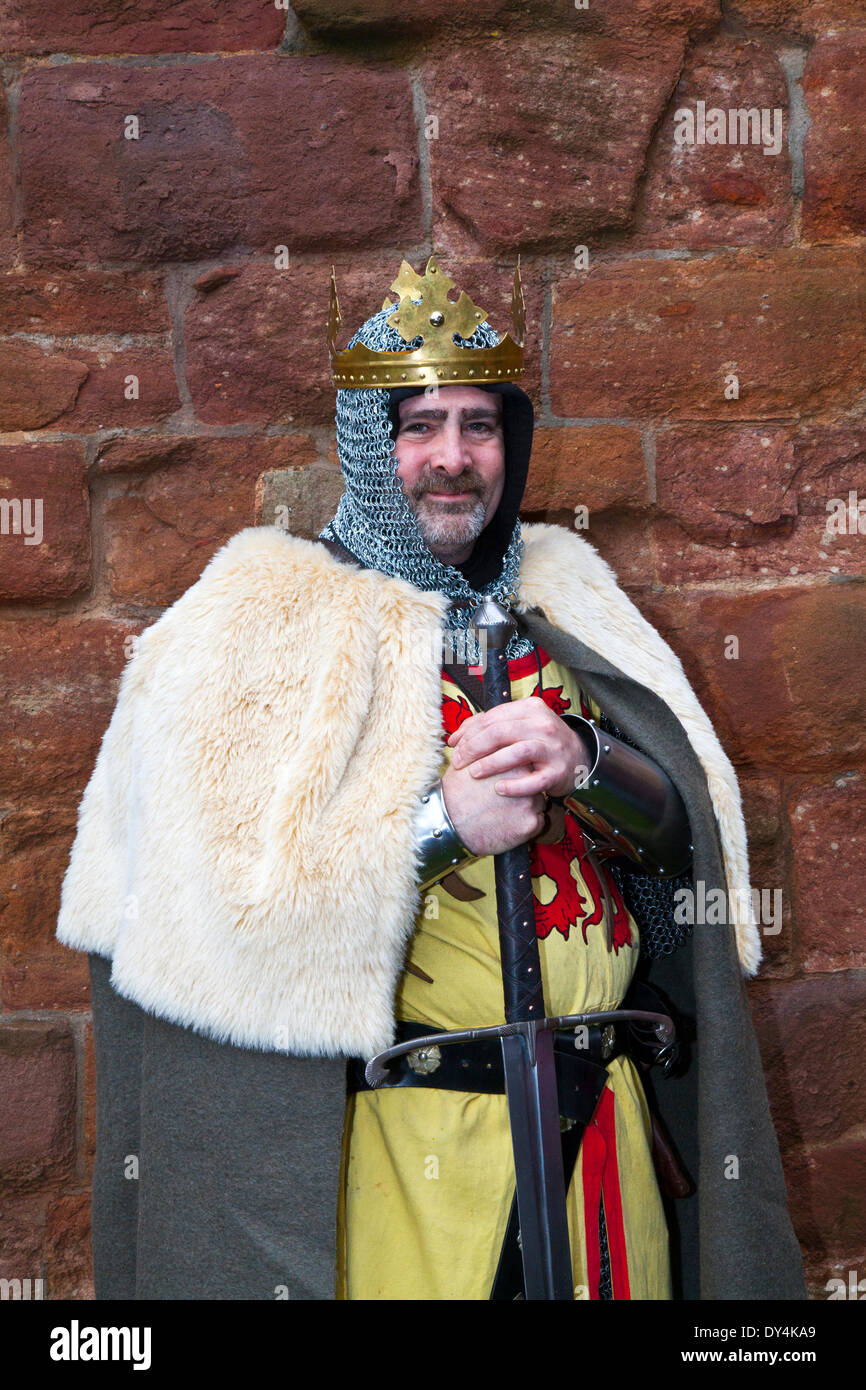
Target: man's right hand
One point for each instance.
(486, 821)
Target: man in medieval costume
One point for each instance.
(286, 862)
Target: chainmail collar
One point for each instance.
(375, 522)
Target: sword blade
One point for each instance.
(536, 1139)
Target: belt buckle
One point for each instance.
(668, 1056)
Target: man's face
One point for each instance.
(451, 461)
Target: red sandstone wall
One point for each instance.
(163, 384)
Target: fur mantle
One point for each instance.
(244, 851)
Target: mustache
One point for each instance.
(456, 486)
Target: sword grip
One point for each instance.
(518, 942)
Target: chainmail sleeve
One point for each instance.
(649, 897)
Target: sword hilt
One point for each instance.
(521, 963)
(376, 1070)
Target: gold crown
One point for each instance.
(424, 310)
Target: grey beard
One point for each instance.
(453, 528)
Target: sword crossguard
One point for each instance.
(376, 1070)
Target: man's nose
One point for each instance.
(451, 450)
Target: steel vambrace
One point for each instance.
(629, 800)
(436, 840)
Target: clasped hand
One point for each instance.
(517, 734)
(503, 761)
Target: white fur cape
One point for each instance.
(244, 851)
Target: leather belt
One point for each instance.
(581, 1070)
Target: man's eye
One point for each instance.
(419, 425)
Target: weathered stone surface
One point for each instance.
(825, 1191)
(255, 341)
(701, 195)
(353, 15)
(637, 16)
(58, 686)
(644, 17)
(601, 468)
(37, 1081)
(37, 388)
(739, 500)
(300, 500)
(830, 463)
(748, 491)
(44, 521)
(727, 487)
(7, 238)
(67, 384)
(21, 1235)
(812, 1034)
(78, 301)
(824, 1271)
(212, 170)
(799, 18)
(619, 535)
(622, 538)
(658, 337)
(768, 871)
(598, 467)
(827, 825)
(68, 1256)
(508, 180)
(75, 388)
(37, 972)
(256, 338)
(179, 500)
(793, 697)
(154, 26)
(834, 153)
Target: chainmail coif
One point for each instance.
(374, 519)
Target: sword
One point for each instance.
(527, 1053)
(526, 1037)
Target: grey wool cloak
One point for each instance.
(244, 878)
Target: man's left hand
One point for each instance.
(517, 734)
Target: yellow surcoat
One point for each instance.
(427, 1175)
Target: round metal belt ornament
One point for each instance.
(424, 1059)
